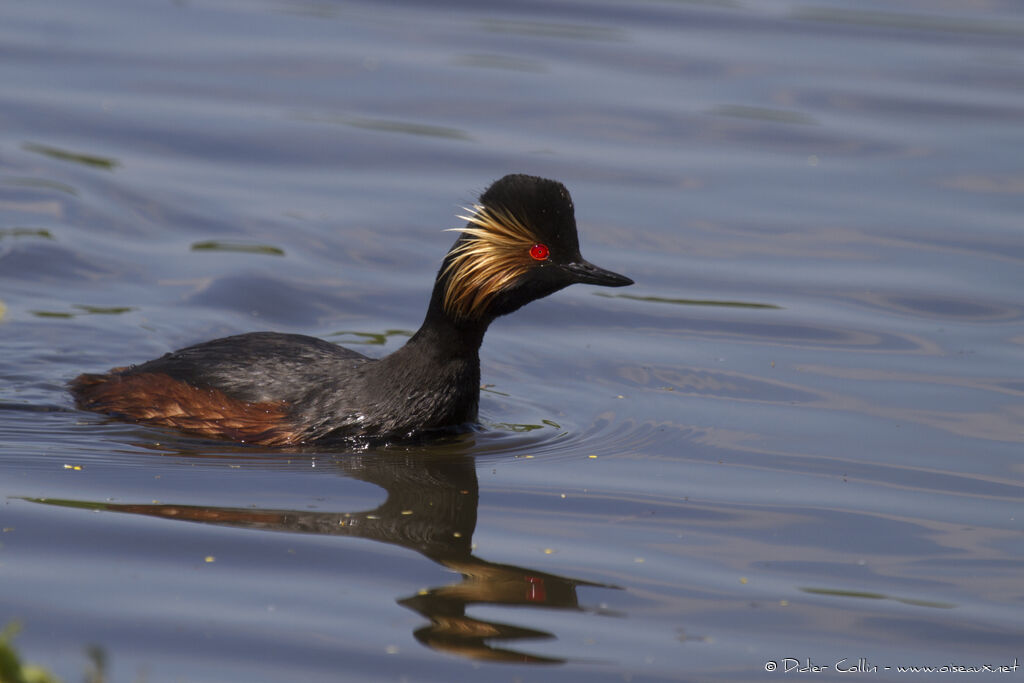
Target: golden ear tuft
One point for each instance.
(495, 254)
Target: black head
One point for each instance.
(519, 244)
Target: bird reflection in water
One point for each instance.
(431, 507)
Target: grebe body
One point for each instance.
(519, 244)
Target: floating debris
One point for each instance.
(76, 157)
(238, 247)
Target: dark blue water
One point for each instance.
(798, 438)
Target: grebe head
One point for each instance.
(519, 244)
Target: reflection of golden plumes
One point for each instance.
(466, 637)
(483, 583)
(466, 627)
(496, 253)
(508, 585)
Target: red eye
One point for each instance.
(539, 252)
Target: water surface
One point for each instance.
(798, 437)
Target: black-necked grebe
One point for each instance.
(519, 244)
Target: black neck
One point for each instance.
(435, 377)
(457, 337)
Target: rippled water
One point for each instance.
(799, 435)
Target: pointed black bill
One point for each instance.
(587, 273)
